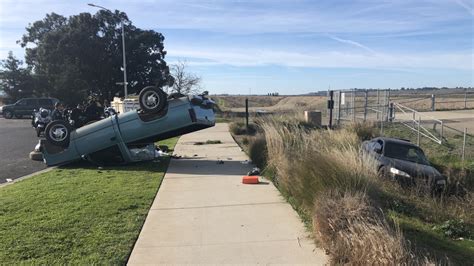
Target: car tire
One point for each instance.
(36, 156)
(58, 133)
(8, 114)
(152, 99)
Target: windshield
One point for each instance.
(406, 153)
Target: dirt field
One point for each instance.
(272, 103)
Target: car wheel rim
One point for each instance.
(151, 99)
(58, 133)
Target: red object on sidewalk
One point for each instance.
(253, 179)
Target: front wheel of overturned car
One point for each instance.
(58, 133)
(152, 99)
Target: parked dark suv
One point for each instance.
(403, 161)
(26, 106)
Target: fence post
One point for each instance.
(339, 109)
(418, 137)
(465, 98)
(353, 106)
(247, 114)
(442, 132)
(433, 99)
(381, 121)
(365, 104)
(378, 103)
(464, 146)
(391, 114)
(330, 107)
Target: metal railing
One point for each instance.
(413, 120)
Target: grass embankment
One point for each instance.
(78, 214)
(357, 217)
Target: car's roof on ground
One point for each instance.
(397, 141)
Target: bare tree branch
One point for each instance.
(184, 82)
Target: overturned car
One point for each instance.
(114, 139)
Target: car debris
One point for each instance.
(128, 137)
(254, 171)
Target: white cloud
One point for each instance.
(351, 42)
(466, 6)
(324, 60)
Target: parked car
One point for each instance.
(119, 138)
(26, 106)
(403, 161)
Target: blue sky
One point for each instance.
(292, 46)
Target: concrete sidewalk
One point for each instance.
(203, 214)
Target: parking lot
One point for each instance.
(17, 140)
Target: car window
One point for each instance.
(31, 102)
(45, 102)
(376, 146)
(405, 153)
(21, 102)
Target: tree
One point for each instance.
(82, 55)
(184, 82)
(15, 81)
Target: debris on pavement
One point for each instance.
(254, 171)
(220, 162)
(246, 162)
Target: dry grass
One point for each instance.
(272, 103)
(354, 232)
(293, 151)
(323, 176)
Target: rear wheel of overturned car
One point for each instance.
(58, 133)
(8, 114)
(152, 99)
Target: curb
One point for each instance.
(28, 176)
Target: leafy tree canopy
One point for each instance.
(82, 55)
(15, 80)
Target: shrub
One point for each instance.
(364, 131)
(453, 228)
(239, 128)
(257, 150)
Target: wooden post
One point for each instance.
(366, 93)
(247, 114)
(433, 99)
(465, 98)
(464, 146)
(330, 107)
(418, 137)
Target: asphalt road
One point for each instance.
(17, 140)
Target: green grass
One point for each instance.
(425, 239)
(78, 214)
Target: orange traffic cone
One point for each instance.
(253, 179)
